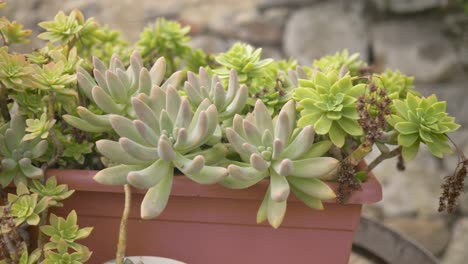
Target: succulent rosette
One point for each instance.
(15, 70)
(25, 207)
(245, 59)
(422, 120)
(328, 102)
(17, 155)
(228, 101)
(167, 134)
(275, 148)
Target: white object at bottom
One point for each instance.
(149, 260)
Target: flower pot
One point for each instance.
(205, 224)
(150, 260)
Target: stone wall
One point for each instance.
(427, 39)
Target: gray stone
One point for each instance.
(416, 47)
(247, 25)
(373, 211)
(357, 259)
(215, 16)
(463, 203)
(456, 252)
(272, 52)
(409, 6)
(209, 43)
(266, 4)
(324, 29)
(454, 92)
(259, 28)
(414, 191)
(433, 234)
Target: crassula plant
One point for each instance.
(144, 113)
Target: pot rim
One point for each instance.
(82, 180)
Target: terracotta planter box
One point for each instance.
(213, 225)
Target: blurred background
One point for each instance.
(427, 39)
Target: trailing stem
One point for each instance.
(383, 156)
(41, 236)
(123, 227)
(58, 148)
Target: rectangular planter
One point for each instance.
(209, 224)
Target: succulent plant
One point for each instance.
(69, 28)
(53, 192)
(328, 102)
(17, 155)
(63, 257)
(167, 134)
(228, 102)
(13, 32)
(15, 70)
(32, 258)
(26, 207)
(340, 59)
(275, 148)
(64, 232)
(422, 120)
(111, 89)
(166, 39)
(395, 83)
(69, 57)
(75, 150)
(38, 128)
(110, 43)
(283, 76)
(246, 61)
(52, 77)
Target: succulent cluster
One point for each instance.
(422, 120)
(288, 156)
(245, 60)
(112, 87)
(328, 102)
(228, 102)
(11, 31)
(338, 60)
(26, 208)
(70, 28)
(63, 234)
(167, 134)
(238, 119)
(170, 40)
(396, 84)
(17, 155)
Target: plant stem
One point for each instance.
(123, 227)
(55, 141)
(358, 154)
(5, 41)
(383, 156)
(3, 104)
(11, 248)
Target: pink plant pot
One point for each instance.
(209, 224)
